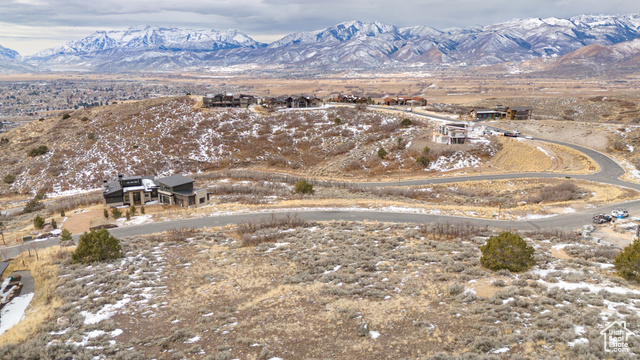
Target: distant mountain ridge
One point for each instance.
(347, 45)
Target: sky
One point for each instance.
(29, 26)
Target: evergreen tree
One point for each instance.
(38, 222)
(116, 213)
(96, 246)
(627, 263)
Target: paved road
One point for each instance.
(609, 173)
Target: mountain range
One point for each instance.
(579, 42)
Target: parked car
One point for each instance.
(616, 213)
(529, 137)
(601, 218)
(512, 133)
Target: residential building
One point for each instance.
(502, 112)
(138, 190)
(132, 190)
(293, 101)
(405, 101)
(451, 133)
(230, 100)
(178, 190)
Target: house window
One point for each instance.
(202, 200)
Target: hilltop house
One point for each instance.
(350, 99)
(293, 102)
(501, 112)
(138, 190)
(224, 100)
(452, 133)
(405, 100)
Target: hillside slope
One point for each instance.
(172, 135)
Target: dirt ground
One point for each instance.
(613, 236)
(588, 134)
(81, 221)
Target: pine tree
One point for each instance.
(116, 213)
(38, 222)
(96, 246)
(65, 235)
(627, 263)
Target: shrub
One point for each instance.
(142, 209)
(507, 251)
(65, 116)
(105, 213)
(133, 210)
(116, 213)
(54, 224)
(423, 161)
(627, 263)
(303, 187)
(426, 150)
(33, 205)
(406, 122)
(65, 235)
(9, 179)
(38, 222)
(91, 136)
(127, 215)
(337, 121)
(96, 246)
(40, 150)
(84, 119)
(382, 153)
(62, 213)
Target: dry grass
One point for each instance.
(44, 269)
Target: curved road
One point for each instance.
(609, 173)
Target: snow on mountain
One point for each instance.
(8, 54)
(11, 62)
(155, 38)
(348, 44)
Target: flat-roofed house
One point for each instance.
(231, 100)
(452, 133)
(178, 190)
(519, 113)
(484, 114)
(131, 190)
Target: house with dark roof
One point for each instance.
(502, 112)
(228, 100)
(178, 190)
(139, 190)
(131, 190)
(303, 101)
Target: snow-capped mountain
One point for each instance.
(10, 62)
(155, 38)
(345, 45)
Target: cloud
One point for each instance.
(266, 18)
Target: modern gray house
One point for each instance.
(138, 190)
(178, 190)
(131, 190)
(223, 100)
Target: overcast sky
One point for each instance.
(29, 26)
